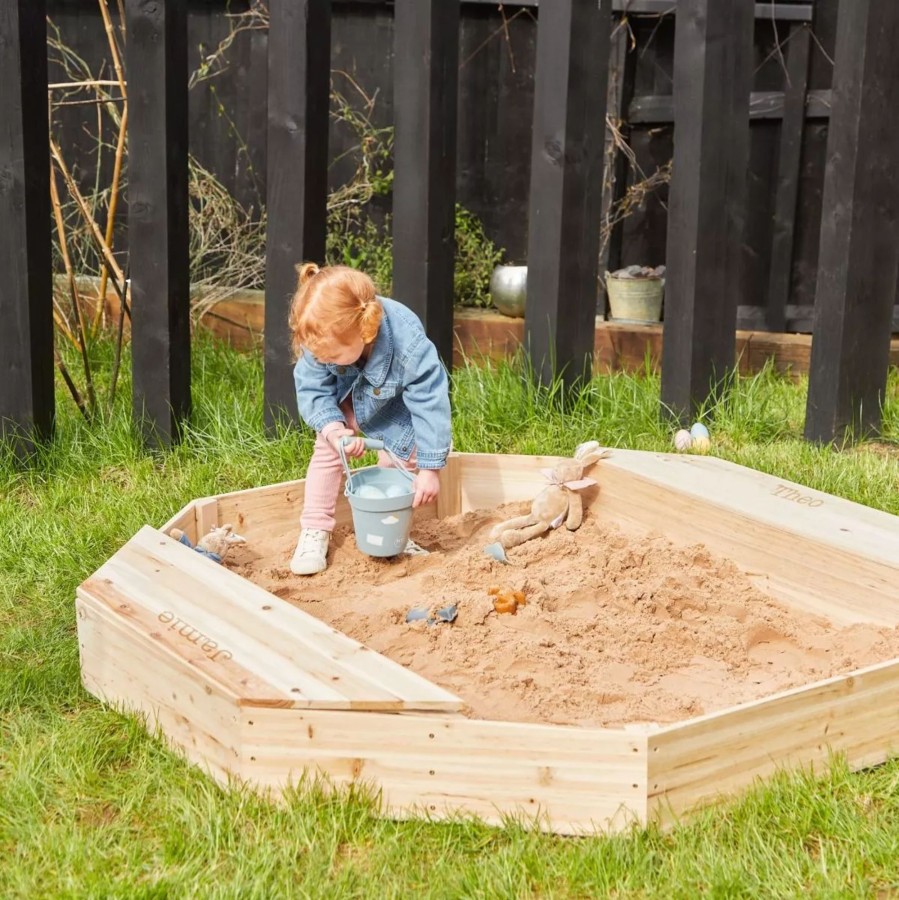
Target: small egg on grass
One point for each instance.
(699, 430)
(683, 440)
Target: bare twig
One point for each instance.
(98, 102)
(502, 12)
(122, 23)
(117, 360)
(76, 85)
(820, 46)
(70, 384)
(113, 46)
(504, 28)
(111, 212)
(73, 291)
(93, 228)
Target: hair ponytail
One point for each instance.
(370, 320)
(305, 272)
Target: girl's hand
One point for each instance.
(427, 487)
(353, 449)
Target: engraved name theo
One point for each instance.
(206, 644)
(788, 493)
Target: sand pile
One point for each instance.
(618, 628)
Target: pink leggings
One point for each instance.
(325, 474)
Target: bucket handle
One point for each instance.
(370, 444)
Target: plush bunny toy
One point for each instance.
(214, 545)
(557, 503)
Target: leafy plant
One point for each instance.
(476, 258)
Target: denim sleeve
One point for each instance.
(316, 388)
(426, 395)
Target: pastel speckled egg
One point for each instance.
(699, 430)
(701, 444)
(396, 490)
(683, 440)
(370, 492)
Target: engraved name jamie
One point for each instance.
(788, 493)
(187, 631)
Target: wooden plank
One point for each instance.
(197, 715)
(257, 113)
(449, 500)
(260, 648)
(813, 551)
(797, 11)
(496, 95)
(27, 405)
(489, 479)
(703, 760)
(480, 335)
(299, 72)
(706, 198)
(265, 510)
(207, 510)
(426, 62)
(788, 165)
(658, 109)
(566, 188)
(158, 229)
(564, 779)
(186, 520)
(620, 347)
(735, 197)
(859, 253)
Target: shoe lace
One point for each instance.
(311, 542)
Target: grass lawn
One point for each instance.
(91, 806)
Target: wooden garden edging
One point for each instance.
(239, 320)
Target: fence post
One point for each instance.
(566, 187)
(158, 212)
(706, 200)
(788, 171)
(426, 76)
(26, 287)
(859, 252)
(299, 73)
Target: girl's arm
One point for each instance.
(426, 395)
(316, 389)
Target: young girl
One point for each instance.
(364, 365)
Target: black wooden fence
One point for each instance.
(712, 66)
(497, 58)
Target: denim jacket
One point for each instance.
(400, 395)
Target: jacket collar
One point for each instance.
(378, 363)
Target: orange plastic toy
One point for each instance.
(505, 600)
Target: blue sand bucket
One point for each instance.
(381, 501)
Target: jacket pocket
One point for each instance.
(377, 395)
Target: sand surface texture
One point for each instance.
(617, 628)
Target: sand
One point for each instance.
(618, 628)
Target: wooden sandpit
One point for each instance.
(706, 625)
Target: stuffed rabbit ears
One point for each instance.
(590, 452)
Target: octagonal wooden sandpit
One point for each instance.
(249, 686)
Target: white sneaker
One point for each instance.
(311, 555)
(412, 549)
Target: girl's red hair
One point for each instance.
(333, 303)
